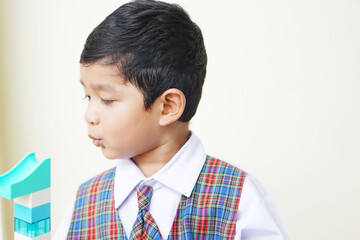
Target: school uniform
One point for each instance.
(195, 196)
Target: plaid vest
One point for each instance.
(209, 213)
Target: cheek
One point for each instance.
(125, 120)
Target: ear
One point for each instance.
(173, 103)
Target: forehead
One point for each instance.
(91, 73)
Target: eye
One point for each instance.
(104, 101)
(87, 98)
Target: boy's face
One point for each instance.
(116, 118)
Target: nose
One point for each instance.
(91, 116)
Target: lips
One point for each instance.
(97, 141)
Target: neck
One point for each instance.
(170, 143)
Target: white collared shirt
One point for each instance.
(257, 216)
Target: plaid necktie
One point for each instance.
(144, 226)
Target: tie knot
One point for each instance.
(144, 194)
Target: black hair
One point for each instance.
(156, 46)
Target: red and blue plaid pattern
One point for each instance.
(145, 226)
(94, 215)
(209, 213)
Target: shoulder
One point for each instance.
(216, 172)
(213, 164)
(98, 181)
(252, 188)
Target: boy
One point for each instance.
(143, 69)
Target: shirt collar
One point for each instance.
(179, 174)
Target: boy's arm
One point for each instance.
(64, 226)
(258, 217)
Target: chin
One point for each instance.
(115, 154)
(108, 154)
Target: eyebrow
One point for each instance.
(104, 87)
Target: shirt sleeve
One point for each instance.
(258, 217)
(64, 226)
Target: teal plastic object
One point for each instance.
(34, 229)
(26, 177)
(32, 215)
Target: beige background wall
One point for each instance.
(6, 137)
(2, 87)
(281, 100)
